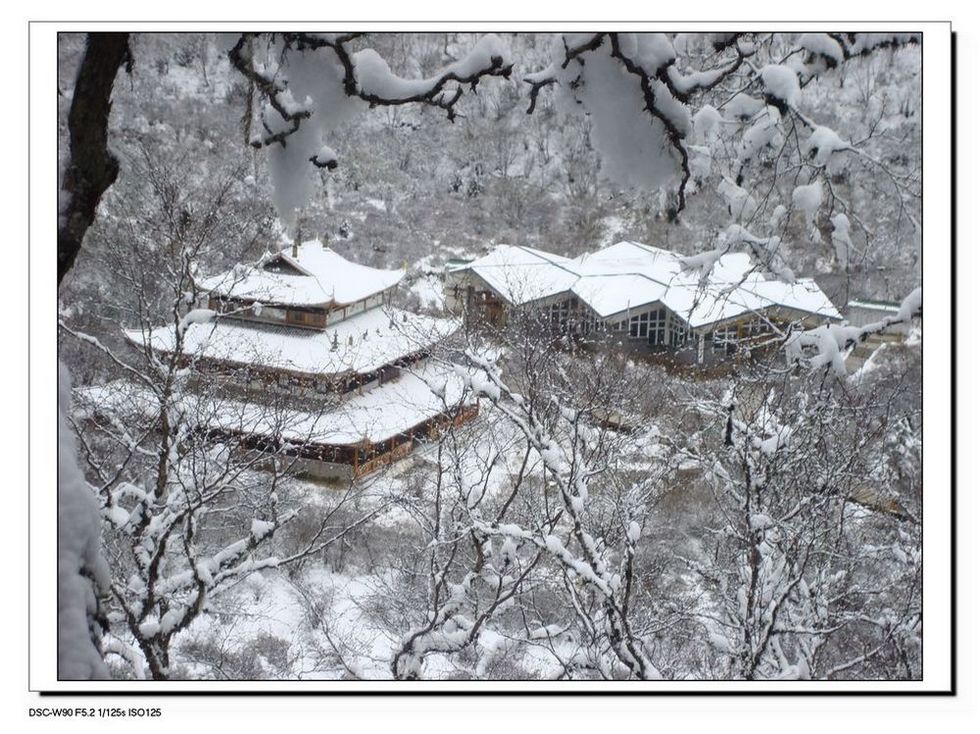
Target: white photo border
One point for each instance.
(938, 381)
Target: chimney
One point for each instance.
(297, 238)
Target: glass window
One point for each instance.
(724, 339)
(640, 326)
(657, 334)
(678, 333)
(559, 313)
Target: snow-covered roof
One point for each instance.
(364, 343)
(321, 278)
(375, 415)
(523, 274)
(629, 275)
(884, 306)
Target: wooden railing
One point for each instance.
(399, 451)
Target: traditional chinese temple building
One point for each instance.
(303, 352)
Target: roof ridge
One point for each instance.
(332, 296)
(295, 261)
(781, 302)
(570, 271)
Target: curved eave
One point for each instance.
(385, 289)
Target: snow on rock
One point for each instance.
(781, 83)
(82, 570)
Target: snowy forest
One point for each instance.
(464, 484)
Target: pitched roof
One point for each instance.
(523, 274)
(317, 276)
(629, 275)
(364, 343)
(375, 415)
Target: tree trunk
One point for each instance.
(91, 168)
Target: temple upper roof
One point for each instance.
(310, 274)
(360, 344)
